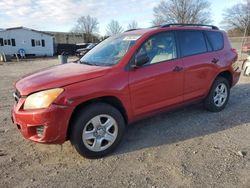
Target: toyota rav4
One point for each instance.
(125, 78)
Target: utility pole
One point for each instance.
(246, 29)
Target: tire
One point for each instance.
(97, 130)
(218, 95)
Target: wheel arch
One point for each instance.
(227, 75)
(111, 100)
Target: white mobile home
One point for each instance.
(33, 42)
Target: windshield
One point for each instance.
(110, 51)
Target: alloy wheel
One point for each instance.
(100, 133)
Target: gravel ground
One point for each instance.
(187, 147)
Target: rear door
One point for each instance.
(216, 40)
(159, 83)
(198, 61)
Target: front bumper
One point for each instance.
(54, 121)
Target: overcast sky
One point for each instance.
(61, 15)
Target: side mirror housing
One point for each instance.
(141, 59)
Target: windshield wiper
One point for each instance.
(86, 63)
(107, 64)
(97, 64)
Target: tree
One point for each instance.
(182, 11)
(114, 28)
(237, 18)
(87, 25)
(133, 25)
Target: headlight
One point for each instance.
(42, 99)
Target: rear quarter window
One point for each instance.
(192, 42)
(215, 39)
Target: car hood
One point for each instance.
(58, 76)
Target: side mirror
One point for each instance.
(141, 59)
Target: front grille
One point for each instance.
(17, 95)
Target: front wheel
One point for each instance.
(218, 95)
(97, 130)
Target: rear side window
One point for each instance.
(192, 42)
(216, 40)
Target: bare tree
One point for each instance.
(182, 11)
(88, 26)
(133, 25)
(114, 28)
(237, 17)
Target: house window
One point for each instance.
(38, 43)
(9, 43)
(43, 43)
(1, 41)
(5, 42)
(33, 42)
(13, 42)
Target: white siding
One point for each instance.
(23, 39)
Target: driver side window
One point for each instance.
(160, 47)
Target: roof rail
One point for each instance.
(201, 25)
(131, 30)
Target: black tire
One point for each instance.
(209, 102)
(81, 120)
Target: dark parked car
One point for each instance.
(82, 51)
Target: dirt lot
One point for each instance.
(188, 147)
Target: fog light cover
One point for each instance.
(39, 131)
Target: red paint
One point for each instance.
(142, 91)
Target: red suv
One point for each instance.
(123, 79)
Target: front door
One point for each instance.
(158, 83)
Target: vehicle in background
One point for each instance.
(79, 47)
(246, 48)
(246, 66)
(82, 51)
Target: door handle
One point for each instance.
(215, 60)
(177, 69)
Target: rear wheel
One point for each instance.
(218, 95)
(97, 130)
